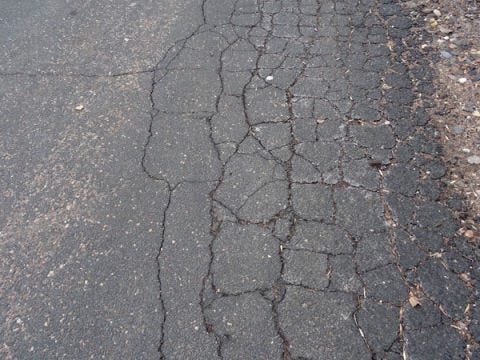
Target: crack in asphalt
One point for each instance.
(288, 129)
(73, 74)
(257, 80)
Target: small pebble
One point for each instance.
(445, 30)
(446, 54)
(462, 42)
(458, 129)
(437, 13)
(474, 160)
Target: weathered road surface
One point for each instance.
(224, 179)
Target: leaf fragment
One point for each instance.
(413, 300)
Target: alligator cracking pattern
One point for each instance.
(305, 190)
(323, 187)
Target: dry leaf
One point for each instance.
(320, 121)
(459, 325)
(413, 300)
(79, 107)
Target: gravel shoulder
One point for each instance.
(454, 50)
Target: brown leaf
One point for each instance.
(413, 300)
(460, 325)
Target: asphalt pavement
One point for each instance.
(248, 179)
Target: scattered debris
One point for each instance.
(453, 26)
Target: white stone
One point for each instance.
(475, 160)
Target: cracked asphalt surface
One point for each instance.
(247, 179)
